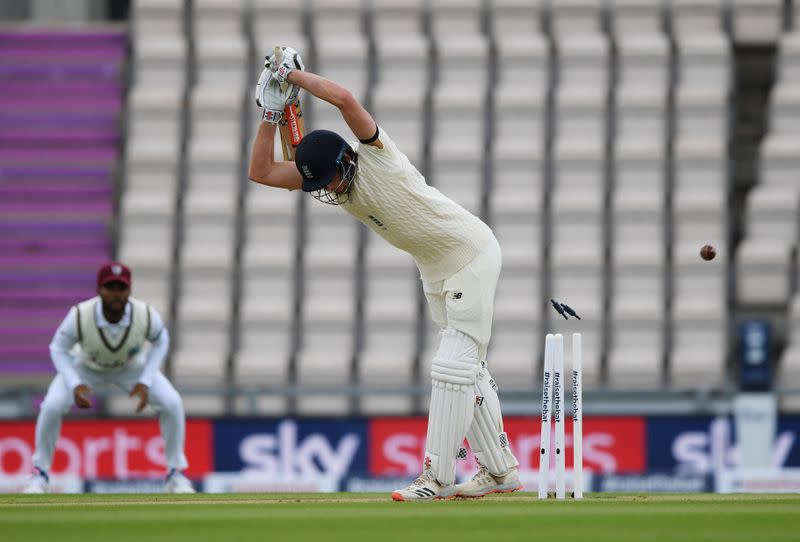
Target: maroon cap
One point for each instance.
(114, 272)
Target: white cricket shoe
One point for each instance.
(39, 483)
(424, 488)
(484, 482)
(178, 483)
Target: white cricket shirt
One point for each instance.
(391, 197)
(67, 337)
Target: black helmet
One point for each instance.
(319, 156)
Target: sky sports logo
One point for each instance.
(378, 447)
(105, 448)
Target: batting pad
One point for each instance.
(453, 374)
(486, 437)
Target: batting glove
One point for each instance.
(272, 97)
(284, 64)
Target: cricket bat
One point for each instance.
(292, 126)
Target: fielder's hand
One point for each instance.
(81, 396)
(141, 391)
(283, 62)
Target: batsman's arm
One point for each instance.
(264, 169)
(357, 118)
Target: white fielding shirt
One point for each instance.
(66, 338)
(391, 197)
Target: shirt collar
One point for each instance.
(101, 321)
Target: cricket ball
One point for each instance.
(708, 252)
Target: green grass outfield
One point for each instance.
(353, 517)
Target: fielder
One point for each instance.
(102, 341)
(457, 255)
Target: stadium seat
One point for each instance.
(779, 161)
(788, 61)
(636, 344)
(386, 364)
(691, 17)
(699, 350)
(771, 212)
(762, 272)
(219, 16)
(328, 308)
(643, 60)
(704, 60)
(325, 361)
(575, 17)
(451, 18)
(402, 61)
(583, 62)
(702, 112)
(457, 150)
(756, 21)
(524, 61)
(514, 355)
(518, 184)
(398, 97)
(700, 165)
(400, 112)
(636, 17)
(336, 17)
(580, 116)
(512, 20)
(279, 23)
(578, 175)
(397, 18)
(159, 59)
(342, 57)
(784, 109)
(262, 361)
(640, 167)
(220, 59)
(160, 48)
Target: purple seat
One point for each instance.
(70, 88)
(61, 55)
(61, 264)
(57, 171)
(49, 317)
(66, 104)
(38, 174)
(63, 210)
(21, 230)
(69, 191)
(22, 335)
(52, 297)
(57, 246)
(61, 157)
(26, 365)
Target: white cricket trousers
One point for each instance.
(465, 301)
(163, 398)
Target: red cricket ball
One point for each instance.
(708, 252)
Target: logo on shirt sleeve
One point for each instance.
(378, 223)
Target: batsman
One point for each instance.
(457, 255)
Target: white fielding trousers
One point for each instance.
(163, 398)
